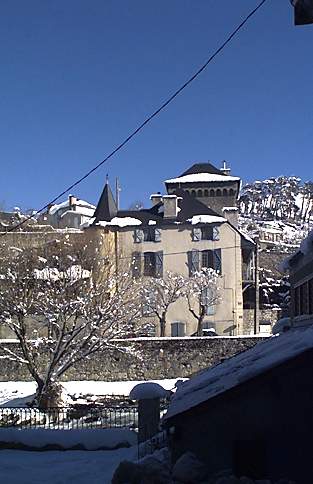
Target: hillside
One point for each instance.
(278, 212)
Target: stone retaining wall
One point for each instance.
(143, 359)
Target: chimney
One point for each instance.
(170, 203)
(224, 169)
(72, 201)
(156, 198)
(231, 215)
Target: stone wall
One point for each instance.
(144, 359)
(266, 316)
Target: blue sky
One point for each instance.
(78, 76)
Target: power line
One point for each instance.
(147, 120)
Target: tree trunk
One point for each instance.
(48, 395)
(200, 320)
(162, 325)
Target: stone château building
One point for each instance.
(193, 225)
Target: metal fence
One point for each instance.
(76, 417)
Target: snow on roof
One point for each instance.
(240, 368)
(230, 209)
(147, 391)
(205, 219)
(246, 237)
(202, 177)
(82, 207)
(120, 222)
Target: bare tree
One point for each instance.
(58, 311)
(160, 294)
(202, 293)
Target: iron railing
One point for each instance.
(76, 417)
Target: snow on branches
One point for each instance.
(159, 294)
(202, 293)
(55, 307)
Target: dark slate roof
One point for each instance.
(106, 208)
(202, 168)
(189, 206)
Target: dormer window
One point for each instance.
(207, 232)
(148, 234)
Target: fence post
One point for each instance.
(148, 395)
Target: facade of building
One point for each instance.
(72, 213)
(251, 414)
(300, 268)
(181, 233)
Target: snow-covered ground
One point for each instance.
(16, 393)
(56, 467)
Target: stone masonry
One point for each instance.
(143, 359)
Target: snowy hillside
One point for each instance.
(277, 210)
(279, 213)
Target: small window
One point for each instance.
(193, 193)
(206, 193)
(206, 258)
(147, 306)
(207, 297)
(153, 264)
(225, 192)
(212, 259)
(178, 329)
(212, 193)
(218, 192)
(149, 234)
(231, 192)
(199, 193)
(149, 264)
(206, 232)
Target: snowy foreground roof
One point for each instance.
(240, 368)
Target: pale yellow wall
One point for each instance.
(177, 242)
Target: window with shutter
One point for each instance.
(178, 329)
(149, 264)
(159, 264)
(207, 232)
(207, 258)
(138, 236)
(157, 235)
(216, 233)
(196, 234)
(136, 264)
(193, 261)
(147, 305)
(217, 260)
(149, 234)
(206, 298)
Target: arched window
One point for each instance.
(212, 193)
(218, 193)
(193, 193)
(225, 192)
(206, 193)
(231, 192)
(187, 191)
(199, 193)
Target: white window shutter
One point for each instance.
(138, 236)
(196, 234)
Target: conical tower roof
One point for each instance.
(106, 208)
